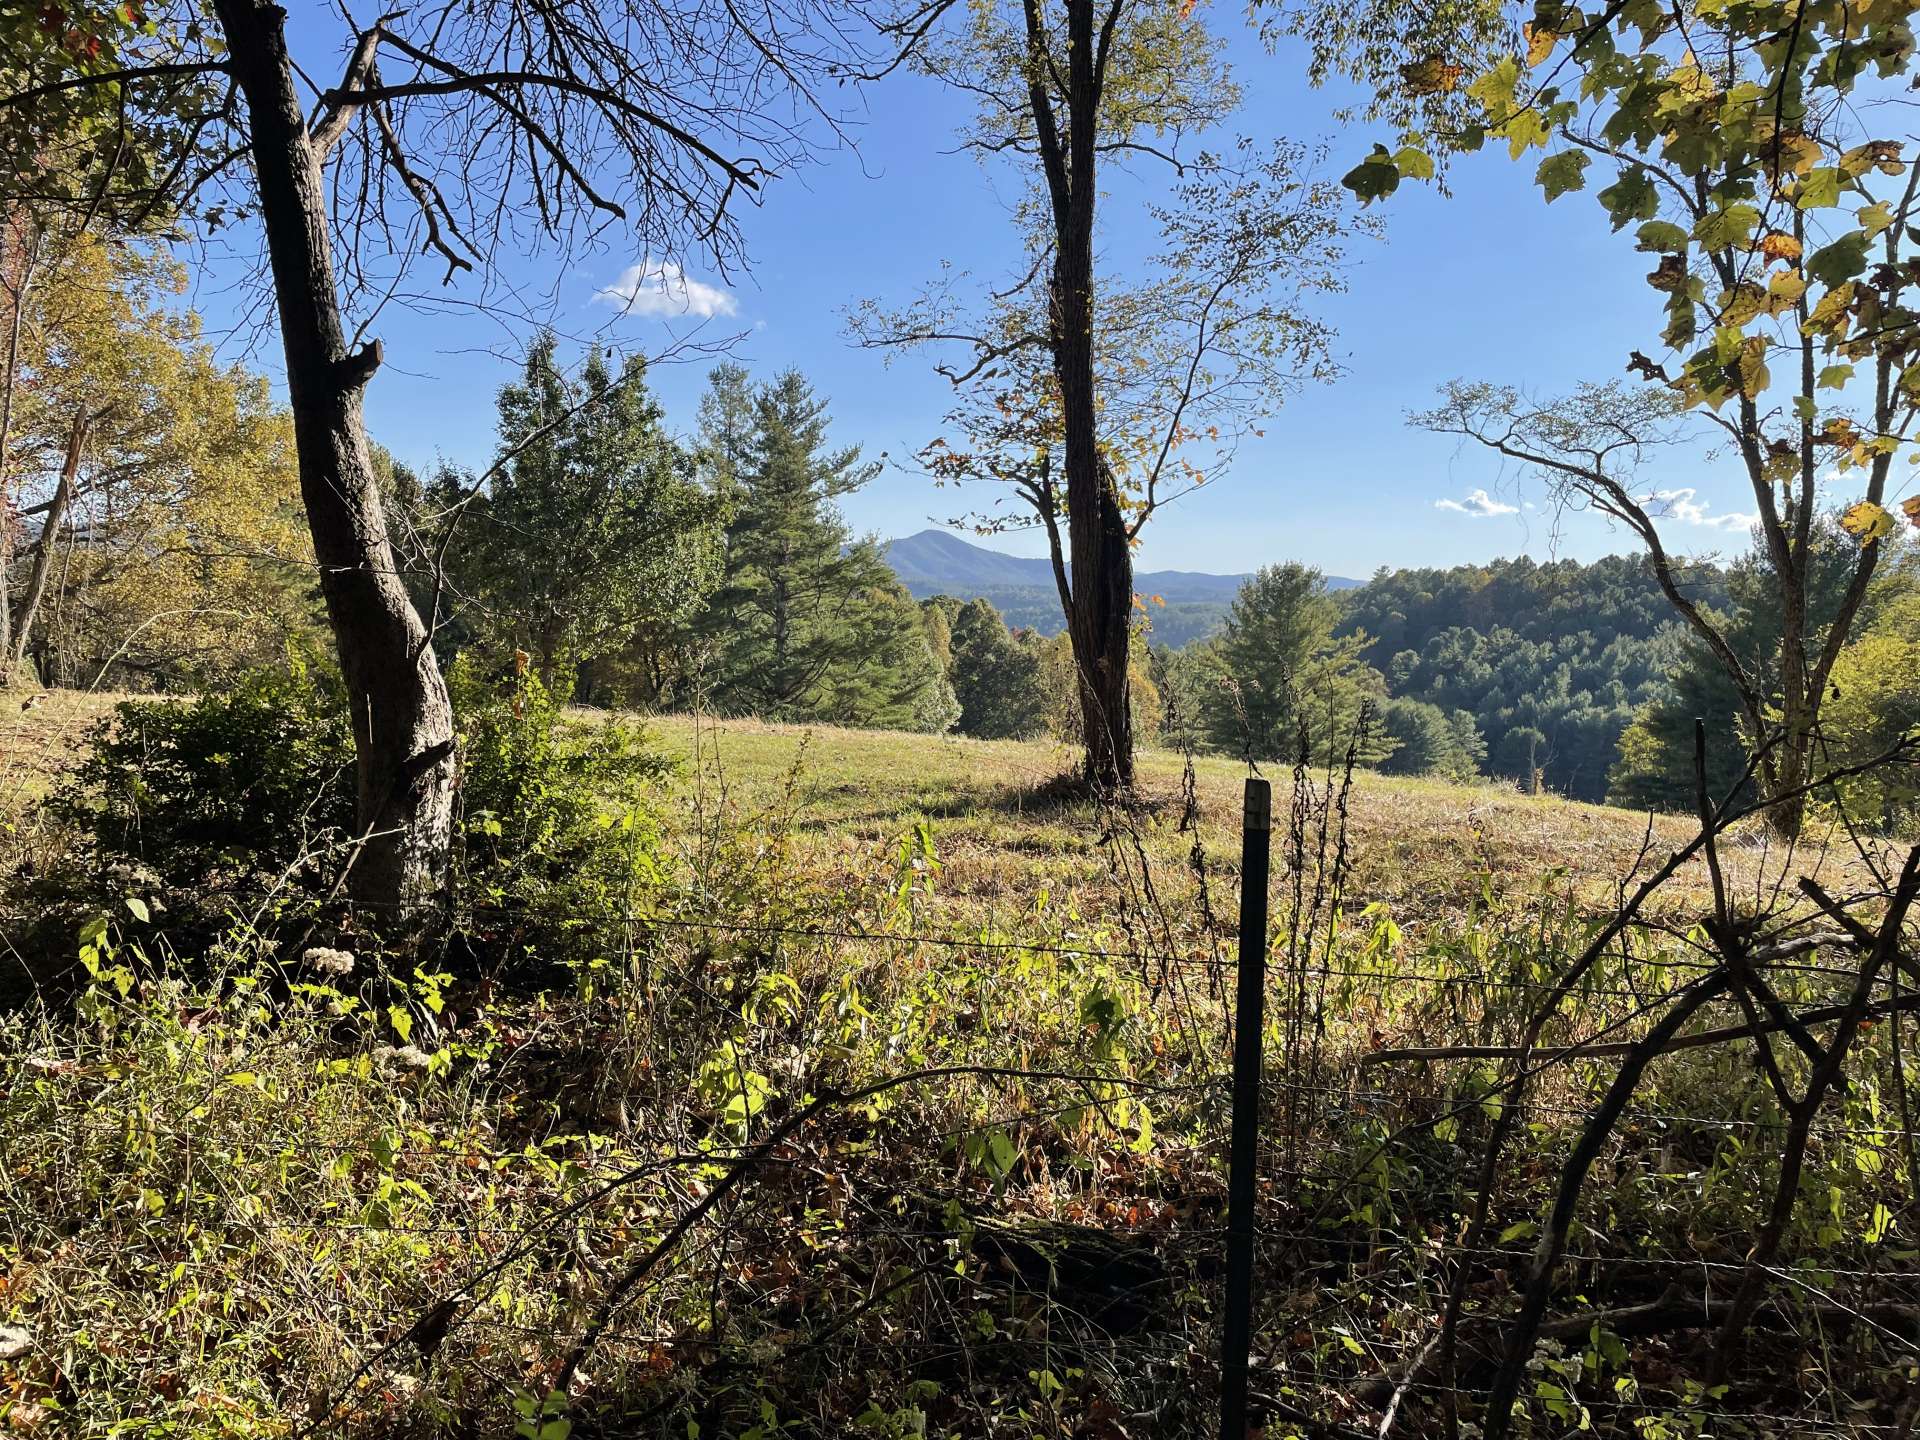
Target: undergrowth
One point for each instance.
(292, 1182)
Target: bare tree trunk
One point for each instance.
(402, 720)
(1099, 621)
(16, 274)
(43, 552)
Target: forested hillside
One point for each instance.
(1569, 651)
(1181, 605)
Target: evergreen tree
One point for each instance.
(1568, 649)
(808, 622)
(1279, 669)
(595, 529)
(1469, 745)
(1425, 740)
(996, 681)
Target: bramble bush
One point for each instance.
(258, 778)
(559, 839)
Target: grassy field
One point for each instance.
(1425, 847)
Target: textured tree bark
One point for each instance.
(1099, 620)
(402, 720)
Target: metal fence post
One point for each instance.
(1249, 1020)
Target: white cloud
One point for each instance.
(661, 288)
(1478, 504)
(1685, 506)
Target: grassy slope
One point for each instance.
(1422, 846)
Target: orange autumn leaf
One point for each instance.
(1778, 246)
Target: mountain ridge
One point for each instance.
(932, 562)
(1193, 603)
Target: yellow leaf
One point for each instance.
(1785, 289)
(1742, 303)
(1780, 246)
(1798, 153)
(1831, 312)
(1751, 366)
(1867, 521)
(1540, 43)
(1874, 218)
(1431, 75)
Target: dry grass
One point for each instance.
(1427, 848)
(42, 732)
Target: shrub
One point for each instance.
(558, 834)
(556, 837)
(256, 779)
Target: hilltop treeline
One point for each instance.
(1565, 677)
(1552, 661)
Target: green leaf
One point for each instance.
(1561, 173)
(1819, 188)
(1413, 163)
(1728, 228)
(1631, 197)
(1000, 1154)
(1374, 178)
(137, 908)
(1662, 237)
(1833, 377)
(1839, 262)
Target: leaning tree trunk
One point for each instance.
(36, 590)
(402, 720)
(1101, 619)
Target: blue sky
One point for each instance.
(1488, 283)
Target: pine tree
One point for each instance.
(808, 622)
(595, 530)
(1279, 669)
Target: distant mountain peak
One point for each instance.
(942, 560)
(1021, 587)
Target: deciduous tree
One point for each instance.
(1086, 391)
(1775, 202)
(151, 483)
